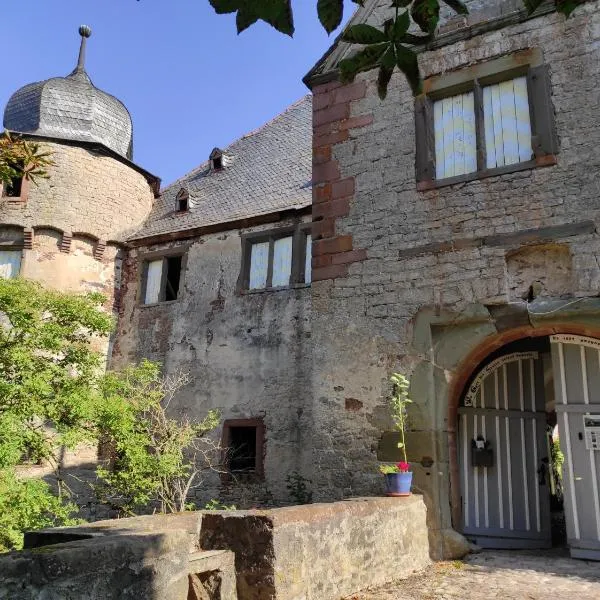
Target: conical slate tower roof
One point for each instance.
(71, 108)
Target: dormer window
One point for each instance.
(182, 201)
(216, 159)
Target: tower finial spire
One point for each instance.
(84, 32)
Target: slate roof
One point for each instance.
(71, 108)
(265, 171)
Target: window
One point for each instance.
(10, 263)
(277, 259)
(161, 279)
(243, 444)
(486, 120)
(14, 188)
(216, 159)
(182, 201)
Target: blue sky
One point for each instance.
(190, 82)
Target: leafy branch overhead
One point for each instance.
(387, 48)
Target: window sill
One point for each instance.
(283, 288)
(542, 161)
(153, 304)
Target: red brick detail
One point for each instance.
(356, 122)
(546, 160)
(65, 243)
(330, 139)
(321, 193)
(332, 195)
(325, 172)
(321, 155)
(325, 228)
(342, 188)
(322, 261)
(326, 87)
(349, 257)
(337, 112)
(332, 272)
(99, 249)
(340, 243)
(334, 208)
(28, 238)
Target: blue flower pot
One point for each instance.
(398, 484)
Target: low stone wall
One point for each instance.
(321, 551)
(309, 552)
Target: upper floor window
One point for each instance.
(13, 188)
(277, 258)
(486, 120)
(161, 278)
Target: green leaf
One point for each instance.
(364, 34)
(566, 7)
(400, 3)
(225, 6)
(383, 81)
(363, 60)
(458, 6)
(531, 5)
(330, 13)
(400, 26)
(425, 14)
(408, 64)
(277, 13)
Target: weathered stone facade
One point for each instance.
(441, 267)
(248, 353)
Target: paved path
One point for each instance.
(499, 574)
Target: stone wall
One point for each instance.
(439, 268)
(315, 552)
(87, 192)
(247, 353)
(321, 551)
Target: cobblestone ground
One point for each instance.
(499, 574)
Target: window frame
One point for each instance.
(21, 198)
(14, 247)
(259, 469)
(146, 258)
(544, 141)
(298, 232)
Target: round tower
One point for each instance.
(68, 230)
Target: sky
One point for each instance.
(189, 81)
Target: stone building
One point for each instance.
(453, 239)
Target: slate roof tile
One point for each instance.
(265, 171)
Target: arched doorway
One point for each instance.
(519, 400)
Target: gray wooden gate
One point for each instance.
(576, 367)
(507, 504)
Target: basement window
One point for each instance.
(276, 259)
(10, 263)
(243, 441)
(161, 279)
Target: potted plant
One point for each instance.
(398, 477)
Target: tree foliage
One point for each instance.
(156, 459)
(47, 401)
(21, 158)
(389, 48)
(54, 395)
